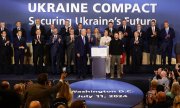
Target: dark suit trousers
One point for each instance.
(82, 65)
(70, 58)
(19, 61)
(166, 50)
(38, 61)
(153, 54)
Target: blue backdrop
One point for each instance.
(13, 10)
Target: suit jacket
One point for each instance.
(63, 32)
(111, 34)
(33, 30)
(69, 44)
(163, 34)
(76, 32)
(142, 34)
(41, 93)
(17, 43)
(92, 41)
(4, 49)
(80, 47)
(136, 48)
(56, 47)
(153, 40)
(37, 46)
(15, 30)
(128, 30)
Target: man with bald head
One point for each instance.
(164, 80)
(35, 104)
(81, 51)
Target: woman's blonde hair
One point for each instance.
(176, 103)
(175, 89)
(65, 92)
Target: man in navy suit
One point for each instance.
(19, 28)
(82, 51)
(4, 52)
(153, 34)
(56, 43)
(78, 30)
(19, 51)
(127, 36)
(37, 26)
(167, 36)
(111, 29)
(38, 51)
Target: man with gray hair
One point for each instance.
(164, 81)
(82, 51)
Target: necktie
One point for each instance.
(84, 41)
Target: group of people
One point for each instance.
(42, 94)
(164, 91)
(53, 46)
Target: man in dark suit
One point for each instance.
(5, 46)
(64, 32)
(167, 35)
(19, 51)
(111, 29)
(82, 51)
(70, 43)
(38, 51)
(77, 32)
(127, 36)
(48, 46)
(3, 28)
(56, 52)
(153, 34)
(143, 38)
(38, 26)
(19, 28)
(41, 92)
(136, 45)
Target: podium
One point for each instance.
(99, 55)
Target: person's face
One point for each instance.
(116, 36)
(105, 33)
(67, 23)
(19, 33)
(110, 25)
(38, 22)
(139, 27)
(3, 34)
(18, 24)
(166, 25)
(71, 32)
(124, 22)
(2, 25)
(38, 32)
(80, 26)
(55, 31)
(88, 31)
(52, 26)
(153, 24)
(120, 34)
(96, 30)
(83, 32)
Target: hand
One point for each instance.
(121, 56)
(63, 76)
(154, 33)
(59, 40)
(88, 55)
(78, 55)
